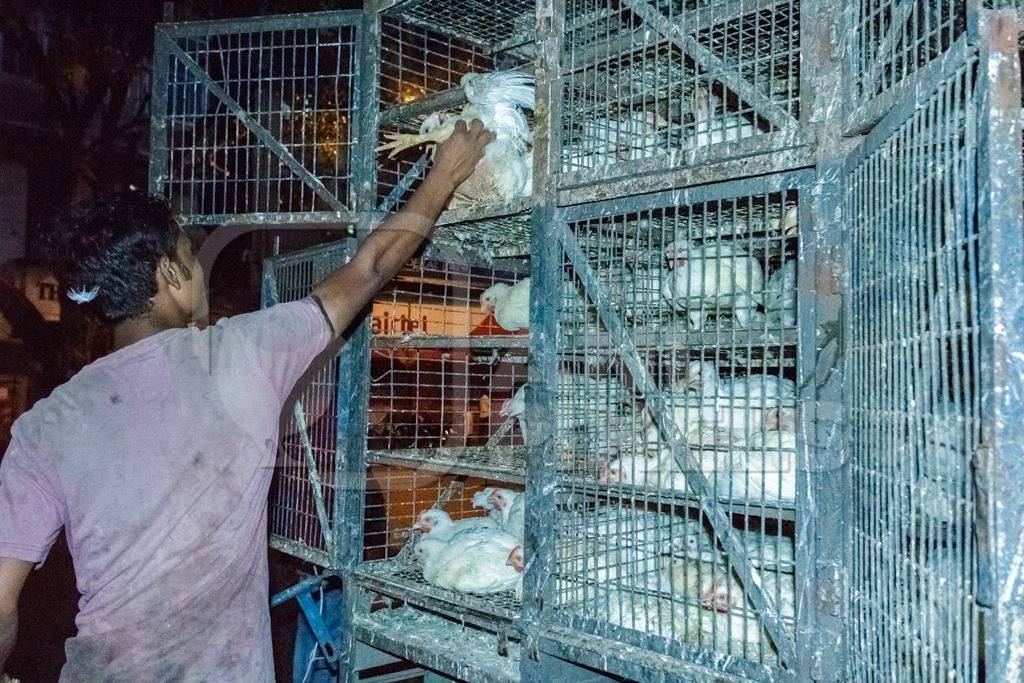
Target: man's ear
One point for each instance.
(168, 271)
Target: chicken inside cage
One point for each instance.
(657, 570)
(733, 343)
(647, 81)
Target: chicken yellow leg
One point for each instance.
(398, 142)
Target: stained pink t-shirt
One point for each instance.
(156, 460)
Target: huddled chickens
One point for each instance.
(471, 555)
(742, 433)
(662, 574)
(713, 277)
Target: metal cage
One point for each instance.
(772, 375)
(254, 120)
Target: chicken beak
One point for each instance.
(495, 501)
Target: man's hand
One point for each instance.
(346, 291)
(457, 157)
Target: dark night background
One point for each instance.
(74, 123)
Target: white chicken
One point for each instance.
(598, 561)
(511, 304)
(438, 524)
(506, 507)
(725, 622)
(712, 278)
(657, 532)
(727, 619)
(515, 407)
(609, 140)
(712, 411)
(498, 100)
(583, 402)
(469, 561)
(482, 499)
(753, 475)
(713, 123)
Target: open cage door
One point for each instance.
(256, 120)
(933, 330)
(310, 485)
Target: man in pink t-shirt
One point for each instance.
(156, 459)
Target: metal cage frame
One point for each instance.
(836, 45)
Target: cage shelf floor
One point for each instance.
(486, 232)
(501, 463)
(440, 644)
(435, 341)
(784, 510)
(404, 581)
(582, 338)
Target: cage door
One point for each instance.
(930, 195)
(254, 120)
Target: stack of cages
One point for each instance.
(679, 368)
(933, 210)
(445, 378)
(678, 255)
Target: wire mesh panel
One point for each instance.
(253, 120)
(702, 283)
(894, 39)
(914, 387)
(444, 372)
(678, 81)
(302, 497)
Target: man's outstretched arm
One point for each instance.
(347, 291)
(12, 578)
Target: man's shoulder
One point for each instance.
(60, 412)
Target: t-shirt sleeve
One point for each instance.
(283, 339)
(31, 511)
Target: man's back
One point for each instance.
(157, 460)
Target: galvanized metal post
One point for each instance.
(545, 303)
(822, 485)
(350, 500)
(1000, 466)
(158, 146)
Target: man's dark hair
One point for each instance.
(113, 244)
